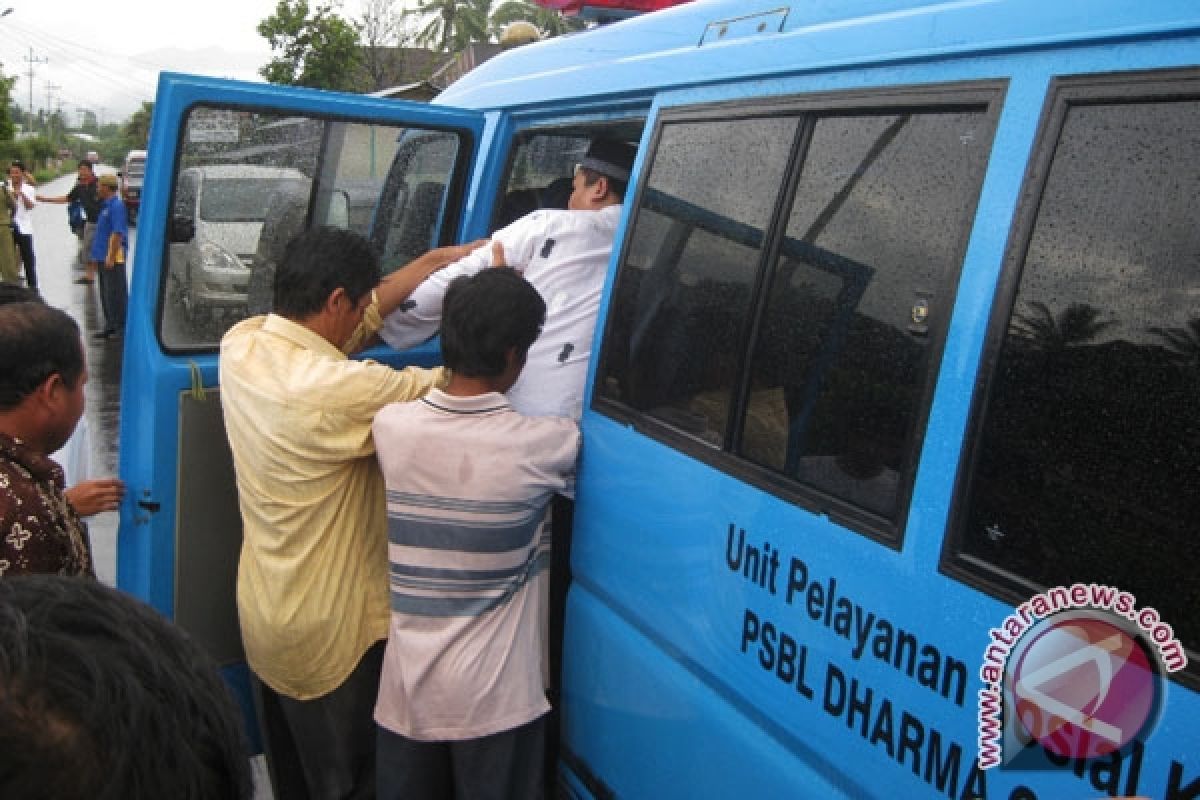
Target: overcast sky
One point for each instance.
(106, 56)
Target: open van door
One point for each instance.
(234, 171)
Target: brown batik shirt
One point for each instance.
(39, 531)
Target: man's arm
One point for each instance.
(396, 288)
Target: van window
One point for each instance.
(542, 162)
(780, 304)
(408, 221)
(248, 182)
(1087, 449)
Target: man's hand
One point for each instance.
(92, 497)
(395, 288)
(498, 254)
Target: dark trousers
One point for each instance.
(25, 247)
(503, 766)
(114, 297)
(323, 749)
(562, 515)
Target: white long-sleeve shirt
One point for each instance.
(564, 255)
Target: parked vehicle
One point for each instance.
(898, 347)
(132, 174)
(216, 220)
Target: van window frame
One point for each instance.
(1062, 93)
(450, 223)
(987, 97)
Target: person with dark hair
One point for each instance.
(87, 496)
(101, 698)
(23, 220)
(86, 194)
(312, 578)
(462, 701)
(564, 254)
(42, 375)
(109, 247)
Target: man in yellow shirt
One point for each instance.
(312, 579)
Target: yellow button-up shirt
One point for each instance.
(312, 585)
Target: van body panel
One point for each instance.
(663, 49)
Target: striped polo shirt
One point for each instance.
(468, 482)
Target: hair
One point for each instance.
(18, 164)
(317, 262)
(85, 163)
(101, 698)
(486, 315)
(15, 293)
(36, 341)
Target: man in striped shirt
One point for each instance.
(462, 698)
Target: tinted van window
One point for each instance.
(783, 292)
(1088, 454)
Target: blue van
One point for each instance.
(891, 470)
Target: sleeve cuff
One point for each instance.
(372, 321)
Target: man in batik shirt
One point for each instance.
(42, 375)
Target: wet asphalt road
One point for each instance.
(56, 247)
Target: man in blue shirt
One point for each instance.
(108, 254)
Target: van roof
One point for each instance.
(719, 40)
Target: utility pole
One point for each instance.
(51, 88)
(32, 60)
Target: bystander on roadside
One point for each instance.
(86, 194)
(23, 220)
(109, 246)
(42, 375)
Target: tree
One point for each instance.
(88, 123)
(382, 32)
(1078, 323)
(451, 25)
(7, 129)
(1183, 342)
(137, 131)
(317, 49)
(550, 23)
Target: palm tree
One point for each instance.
(1078, 324)
(452, 24)
(1183, 342)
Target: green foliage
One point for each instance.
(451, 25)
(7, 129)
(136, 132)
(315, 48)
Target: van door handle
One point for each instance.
(150, 505)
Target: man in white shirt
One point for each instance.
(23, 220)
(563, 253)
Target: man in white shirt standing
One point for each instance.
(23, 220)
(564, 254)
